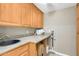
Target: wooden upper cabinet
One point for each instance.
(25, 14)
(34, 16)
(37, 17)
(10, 13)
(40, 19)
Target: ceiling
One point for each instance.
(49, 7)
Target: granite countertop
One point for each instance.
(24, 40)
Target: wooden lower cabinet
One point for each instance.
(17, 51)
(24, 50)
(41, 48)
(25, 53)
(29, 49)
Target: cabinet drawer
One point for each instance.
(17, 51)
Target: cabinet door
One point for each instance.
(34, 16)
(37, 19)
(18, 51)
(32, 49)
(16, 13)
(5, 12)
(77, 44)
(10, 13)
(26, 14)
(40, 19)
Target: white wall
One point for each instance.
(63, 22)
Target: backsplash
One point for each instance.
(12, 31)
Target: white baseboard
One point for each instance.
(58, 53)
